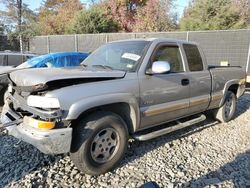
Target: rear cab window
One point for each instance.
(194, 59)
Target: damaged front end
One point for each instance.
(33, 114)
(36, 119)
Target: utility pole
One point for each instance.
(19, 9)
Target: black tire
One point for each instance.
(86, 140)
(227, 111)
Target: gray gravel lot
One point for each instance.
(209, 155)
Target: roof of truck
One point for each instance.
(158, 40)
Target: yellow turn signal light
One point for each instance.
(38, 123)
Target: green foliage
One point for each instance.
(93, 20)
(213, 15)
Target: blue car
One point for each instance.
(55, 60)
(64, 59)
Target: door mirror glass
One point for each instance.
(160, 67)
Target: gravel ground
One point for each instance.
(209, 155)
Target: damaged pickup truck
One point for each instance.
(140, 88)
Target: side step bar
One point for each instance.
(160, 132)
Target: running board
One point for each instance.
(180, 125)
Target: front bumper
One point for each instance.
(54, 141)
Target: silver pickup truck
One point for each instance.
(140, 88)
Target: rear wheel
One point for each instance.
(99, 143)
(227, 111)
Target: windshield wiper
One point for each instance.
(103, 66)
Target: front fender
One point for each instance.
(85, 104)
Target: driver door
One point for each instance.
(164, 97)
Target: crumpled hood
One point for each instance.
(31, 77)
(6, 69)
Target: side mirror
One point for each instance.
(159, 67)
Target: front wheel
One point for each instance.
(227, 111)
(99, 143)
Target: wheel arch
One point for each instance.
(124, 105)
(233, 86)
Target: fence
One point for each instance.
(230, 45)
(12, 44)
(6, 44)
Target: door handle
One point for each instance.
(184, 82)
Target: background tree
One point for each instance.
(155, 16)
(243, 8)
(93, 20)
(123, 11)
(18, 17)
(215, 15)
(55, 16)
(2, 29)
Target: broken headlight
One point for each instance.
(42, 102)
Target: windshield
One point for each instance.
(118, 56)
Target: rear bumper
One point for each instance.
(54, 141)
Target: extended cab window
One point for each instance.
(172, 55)
(193, 57)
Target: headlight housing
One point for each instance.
(42, 102)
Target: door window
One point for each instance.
(172, 55)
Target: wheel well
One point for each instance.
(121, 109)
(234, 88)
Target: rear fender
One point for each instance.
(240, 89)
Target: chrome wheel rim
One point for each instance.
(228, 107)
(105, 145)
